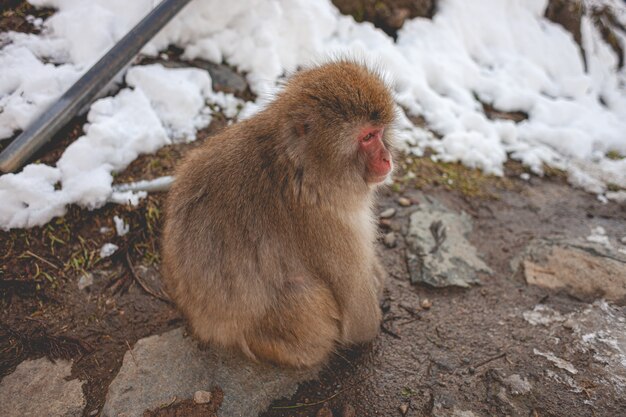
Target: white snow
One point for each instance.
(121, 227)
(558, 362)
(542, 315)
(599, 334)
(598, 235)
(501, 52)
(108, 249)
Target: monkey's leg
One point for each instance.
(300, 330)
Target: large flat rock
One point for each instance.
(584, 270)
(438, 252)
(39, 388)
(162, 368)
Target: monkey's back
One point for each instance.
(225, 254)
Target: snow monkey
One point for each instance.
(269, 239)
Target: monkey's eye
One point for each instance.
(368, 137)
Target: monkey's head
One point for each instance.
(340, 116)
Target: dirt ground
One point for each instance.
(452, 354)
(440, 351)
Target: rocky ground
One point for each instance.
(505, 297)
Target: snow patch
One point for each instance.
(502, 53)
(121, 227)
(108, 249)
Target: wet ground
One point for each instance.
(499, 348)
(440, 352)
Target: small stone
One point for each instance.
(404, 202)
(404, 408)
(386, 214)
(390, 240)
(86, 280)
(202, 397)
(348, 411)
(385, 222)
(623, 240)
(517, 385)
(569, 324)
(324, 412)
(94, 412)
(426, 304)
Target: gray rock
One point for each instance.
(223, 77)
(438, 252)
(38, 388)
(517, 385)
(171, 365)
(583, 269)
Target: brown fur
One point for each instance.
(269, 237)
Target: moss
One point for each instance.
(552, 172)
(614, 155)
(423, 173)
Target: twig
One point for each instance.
(493, 358)
(302, 405)
(142, 284)
(132, 355)
(42, 259)
(389, 332)
(156, 185)
(409, 310)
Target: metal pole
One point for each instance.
(87, 87)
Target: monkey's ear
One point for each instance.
(301, 129)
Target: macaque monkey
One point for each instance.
(269, 239)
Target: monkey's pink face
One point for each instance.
(378, 162)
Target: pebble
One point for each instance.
(623, 240)
(324, 412)
(569, 324)
(386, 214)
(404, 202)
(385, 222)
(390, 240)
(404, 408)
(518, 385)
(426, 304)
(348, 411)
(202, 397)
(86, 280)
